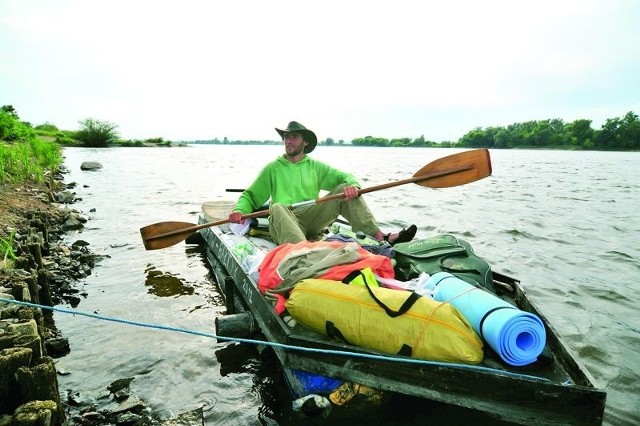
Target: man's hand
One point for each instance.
(350, 192)
(236, 217)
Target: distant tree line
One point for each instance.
(420, 142)
(621, 134)
(615, 134)
(226, 141)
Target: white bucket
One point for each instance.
(213, 211)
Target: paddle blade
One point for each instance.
(456, 169)
(165, 234)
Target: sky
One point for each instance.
(187, 70)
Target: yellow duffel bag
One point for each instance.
(386, 320)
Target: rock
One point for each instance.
(119, 385)
(90, 165)
(190, 418)
(42, 272)
(36, 413)
(72, 224)
(57, 347)
(132, 403)
(74, 398)
(92, 417)
(126, 418)
(64, 197)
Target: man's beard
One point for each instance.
(294, 151)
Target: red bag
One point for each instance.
(271, 269)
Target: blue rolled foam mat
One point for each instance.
(517, 336)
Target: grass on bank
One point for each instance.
(24, 158)
(29, 160)
(23, 155)
(6, 250)
(24, 161)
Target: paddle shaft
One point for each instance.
(456, 169)
(191, 229)
(383, 186)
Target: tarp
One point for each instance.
(303, 383)
(517, 336)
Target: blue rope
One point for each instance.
(275, 344)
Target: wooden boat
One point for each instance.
(559, 392)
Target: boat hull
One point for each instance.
(560, 392)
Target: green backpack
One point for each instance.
(442, 253)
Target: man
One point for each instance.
(296, 177)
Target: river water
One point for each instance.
(564, 223)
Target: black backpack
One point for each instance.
(442, 253)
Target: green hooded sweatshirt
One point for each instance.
(288, 183)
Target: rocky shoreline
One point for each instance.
(39, 273)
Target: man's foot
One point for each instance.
(403, 236)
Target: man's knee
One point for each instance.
(277, 208)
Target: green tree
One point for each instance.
(11, 128)
(616, 133)
(547, 133)
(370, 141)
(609, 135)
(400, 142)
(477, 138)
(418, 142)
(47, 127)
(514, 137)
(502, 139)
(580, 133)
(11, 111)
(96, 133)
(629, 132)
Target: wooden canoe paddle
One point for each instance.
(452, 170)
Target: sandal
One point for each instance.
(404, 236)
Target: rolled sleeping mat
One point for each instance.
(517, 336)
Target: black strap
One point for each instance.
(405, 350)
(352, 276)
(413, 298)
(486, 315)
(332, 331)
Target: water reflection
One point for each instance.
(236, 358)
(165, 284)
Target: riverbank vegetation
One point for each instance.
(23, 156)
(28, 152)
